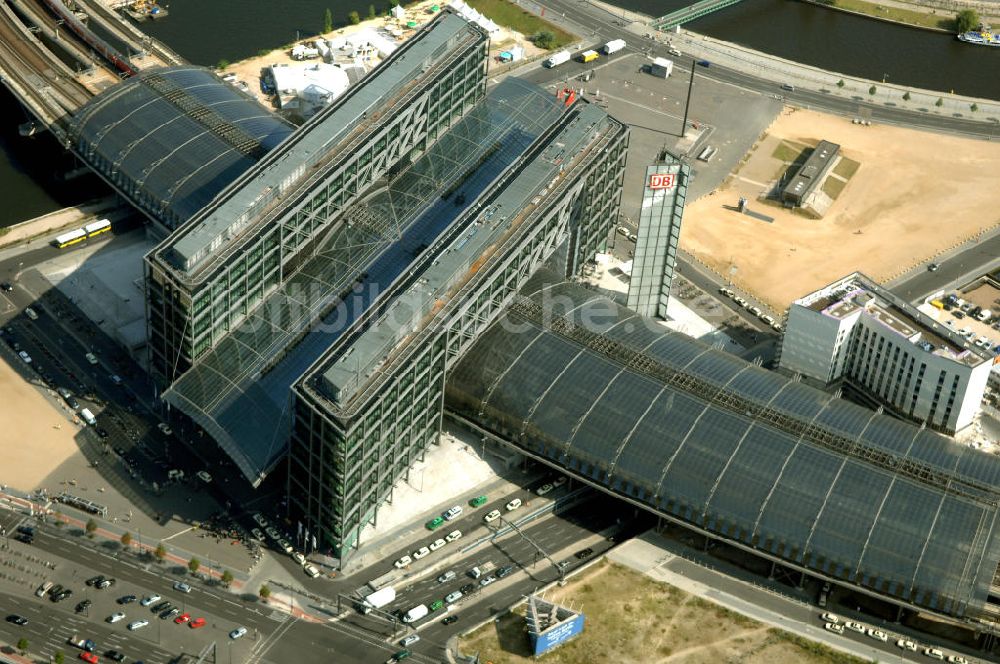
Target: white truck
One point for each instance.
(614, 46)
(661, 67)
(416, 613)
(377, 599)
(557, 59)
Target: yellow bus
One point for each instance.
(66, 239)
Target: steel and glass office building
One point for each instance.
(545, 176)
(207, 277)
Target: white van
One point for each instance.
(88, 416)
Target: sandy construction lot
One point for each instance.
(915, 195)
(35, 437)
(631, 619)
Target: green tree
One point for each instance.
(544, 39)
(193, 565)
(59, 657)
(265, 592)
(840, 83)
(161, 552)
(974, 107)
(222, 64)
(939, 103)
(126, 539)
(328, 20)
(353, 18)
(966, 20)
(371, 11)
(872, 90)
(227, 577)
(22, 645)
(91, 527)
(906, 96)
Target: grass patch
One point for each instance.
(846, 168)
(907, 16)
(511, 16)
(632, 618)
(833, 186)
(787, 151)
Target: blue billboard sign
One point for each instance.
(557, 634)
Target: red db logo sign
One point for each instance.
(662, 180)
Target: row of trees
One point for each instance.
(160, 552)
(353, 17)
(906, 96)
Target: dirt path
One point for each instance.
(682, 655)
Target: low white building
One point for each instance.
(857, 335)
(305, 89)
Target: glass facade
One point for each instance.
(378, 450)
(743, 454)
(664, 194)
(201, 311)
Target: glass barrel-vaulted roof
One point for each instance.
(747, 454)
(172, 138)
(239, 391)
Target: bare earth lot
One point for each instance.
(914, 195)
(631, 618)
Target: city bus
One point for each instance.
(97, 227)
(66, 239)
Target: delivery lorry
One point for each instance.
(557, 59)
(377, 599)
(614, 46)
(416, 613)
(661, 68)
(589, 56)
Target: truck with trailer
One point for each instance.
(614, 46)
(557, 59)
(377, 599)
(416, 613)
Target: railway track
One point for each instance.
(30, 70)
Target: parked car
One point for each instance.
(115, 617)
(436, 544)
(196, 623)
(492, 515)
(420, 553)
(434, 523)
(403, 562)
(146, 601)
(138, 624)
(453, 535)
(447, 576)
(513, 505)
(544, 489)
(453, 513)
(834, 627)
(478, 501)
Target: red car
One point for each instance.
(183, 618)
(196, 623)
(89, 657)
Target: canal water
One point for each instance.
(207, 32)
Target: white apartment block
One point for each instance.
(855, 334)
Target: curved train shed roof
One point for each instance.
(170, 139)
(746, 454)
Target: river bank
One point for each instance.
(934, 15)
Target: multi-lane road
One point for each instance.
(600, 26)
